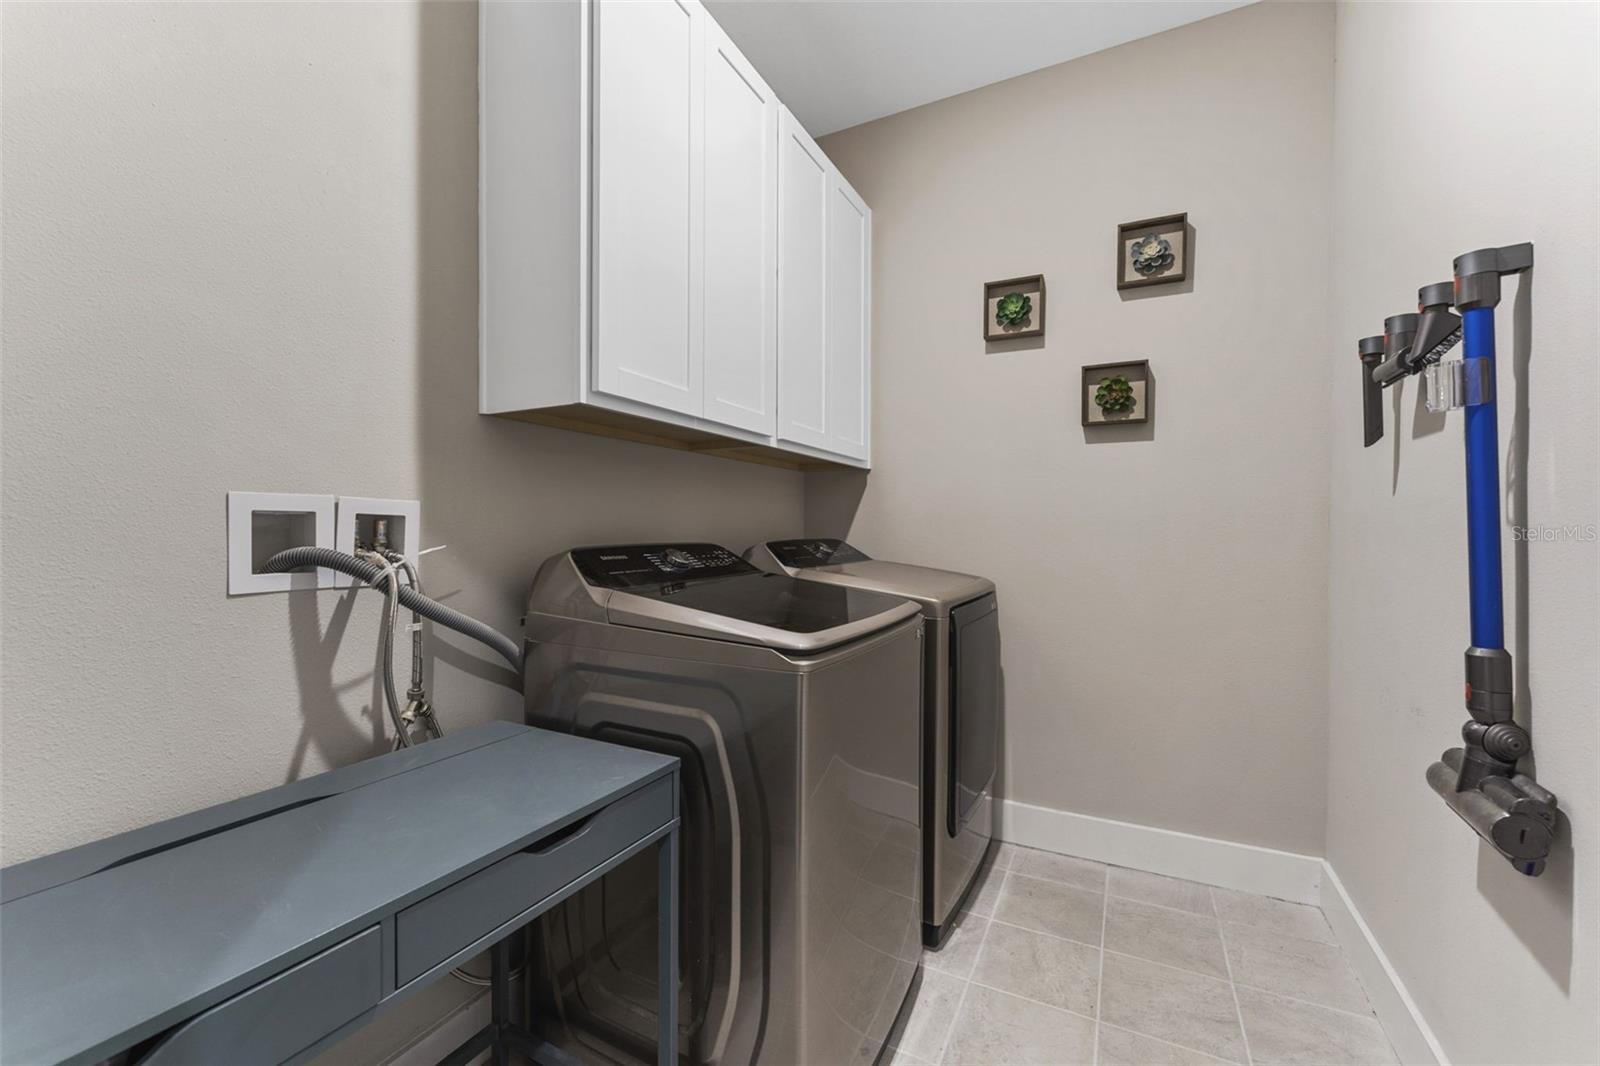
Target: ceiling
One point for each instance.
(838, 63)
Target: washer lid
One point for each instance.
(706, 590)
(826, 560)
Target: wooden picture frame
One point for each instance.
(1175, 228)
(1030, 285)
(1138, 374)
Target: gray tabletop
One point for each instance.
(116, 941)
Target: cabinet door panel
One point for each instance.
(740, 206)
(647, 184)
(803, 183)
(849, 300)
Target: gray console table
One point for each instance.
(263, 930)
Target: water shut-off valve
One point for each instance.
(1480, 780)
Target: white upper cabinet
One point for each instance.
(739, 308)
(648, 197)
(665, 254)
(824, 270)
(849, 320)
(803, 180)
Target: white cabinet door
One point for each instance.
(648, 179)
(849, 320)
(741, 236)
(804, 180)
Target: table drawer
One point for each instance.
(284, 1014)
(428, 932)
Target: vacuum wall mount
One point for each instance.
(1480, 780)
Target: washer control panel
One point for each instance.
(816, 551)
(632, 566)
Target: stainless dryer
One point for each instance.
(961, 703)
(795, 708)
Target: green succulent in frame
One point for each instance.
(1013, 308)
(1114, 395)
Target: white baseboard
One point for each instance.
(1407, 1030)
(1246, 867)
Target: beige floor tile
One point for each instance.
(985, 891)
(1080, 873)
(1118, 1047)
(1160, 934)
(1051, 907)
(1162, 891)
(1285, 1031)
(960, 949)
(1173, 1005)
(1062, 973)
(1303, 969)
(931, 1015)
(995, 1028)
(1004, 854)
(1272, 915)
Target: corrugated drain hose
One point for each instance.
(328, 558)
(383, 577)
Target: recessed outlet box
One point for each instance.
(261, 524)
(364, 521)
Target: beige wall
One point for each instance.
(1484, 135)
(240, 253)
(1163, 592)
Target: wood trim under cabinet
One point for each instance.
(585, 418)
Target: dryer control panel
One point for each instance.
(632, 566)
(816, 551)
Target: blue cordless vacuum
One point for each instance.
(1480, 780)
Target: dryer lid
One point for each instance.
(825, 560)
(706, 590)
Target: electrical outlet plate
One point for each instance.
(355, 515)
(263, 523)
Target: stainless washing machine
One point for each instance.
(796, 709)
(961, 703)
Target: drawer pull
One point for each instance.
(554, 840)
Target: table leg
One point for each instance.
(667, 949)
(500, 996)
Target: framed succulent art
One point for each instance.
(1013, 308)
(1153, 251)
(1117, 394)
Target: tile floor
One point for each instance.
(1060, 960)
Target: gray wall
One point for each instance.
(240, 253)
(1484, 136)
(1164, 591)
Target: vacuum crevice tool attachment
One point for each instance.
(1370, 349)
(1398, 332)
(1438, 328)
